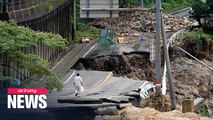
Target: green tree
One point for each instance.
(131, 2)
(13, 38)
(203, 12)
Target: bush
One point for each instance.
(84, 30)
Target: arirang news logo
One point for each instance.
(26, 98)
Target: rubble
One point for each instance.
(140, 23)
(190, 76)
(191, 79)
(133, 113)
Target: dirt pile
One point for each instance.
(191, 79)
(157, 101)
(139, 23)
(133, 113)
(134, 66)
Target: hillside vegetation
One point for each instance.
(14, 38)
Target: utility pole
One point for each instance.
(166, 57)
(157, 45)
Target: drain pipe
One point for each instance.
(164, 80)
(210, 68)
(167, 60)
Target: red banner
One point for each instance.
(24, 91)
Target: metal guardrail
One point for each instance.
(14, 5)
(171, 41)
(177, 35)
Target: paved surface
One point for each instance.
(101, 89)
(76, 52)
(182, 13)
(117, 49)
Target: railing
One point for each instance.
(8, 68)
(55, 21)
(171, 41)
(13, 5)
(177, 35)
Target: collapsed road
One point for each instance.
(102, 88)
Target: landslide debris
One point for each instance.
(134, 113)
(135, 24)
(134, 66)
(191, 78)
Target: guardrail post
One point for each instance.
(74, 12)
(26, 4)
(31, 3)
(152, 54)
(5, 6)
(19, 4)
(1, 6)
(12, 3)
(142, 4)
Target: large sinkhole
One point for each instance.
(134, 66)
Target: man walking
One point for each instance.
(78, 83)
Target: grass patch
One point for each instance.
(84, 30)
(199, 43)
(174, 5)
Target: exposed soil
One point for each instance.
(133, 113)
(191, 79)
(134, 66)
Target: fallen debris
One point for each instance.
(140, 23)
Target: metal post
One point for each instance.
(1, 5)
(157, 44)
(121, 2)
(12, 3)
(68, 23)
(19, 4)
(111, 6)
(74, 7)
(88, 5)
(142, 4)
(6, 6)
(26, 3)
(166, 57)
(31, 3)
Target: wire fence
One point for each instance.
(14, 5)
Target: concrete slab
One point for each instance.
(101, 89)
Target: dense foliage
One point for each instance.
(199, 43)
(172, 5)
(203, 13)
(13, 38)
(167, 5)
(83, 27)
(48, 4)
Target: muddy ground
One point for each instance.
(191, 79)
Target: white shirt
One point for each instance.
(77, 81)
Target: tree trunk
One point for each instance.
(199, 21)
